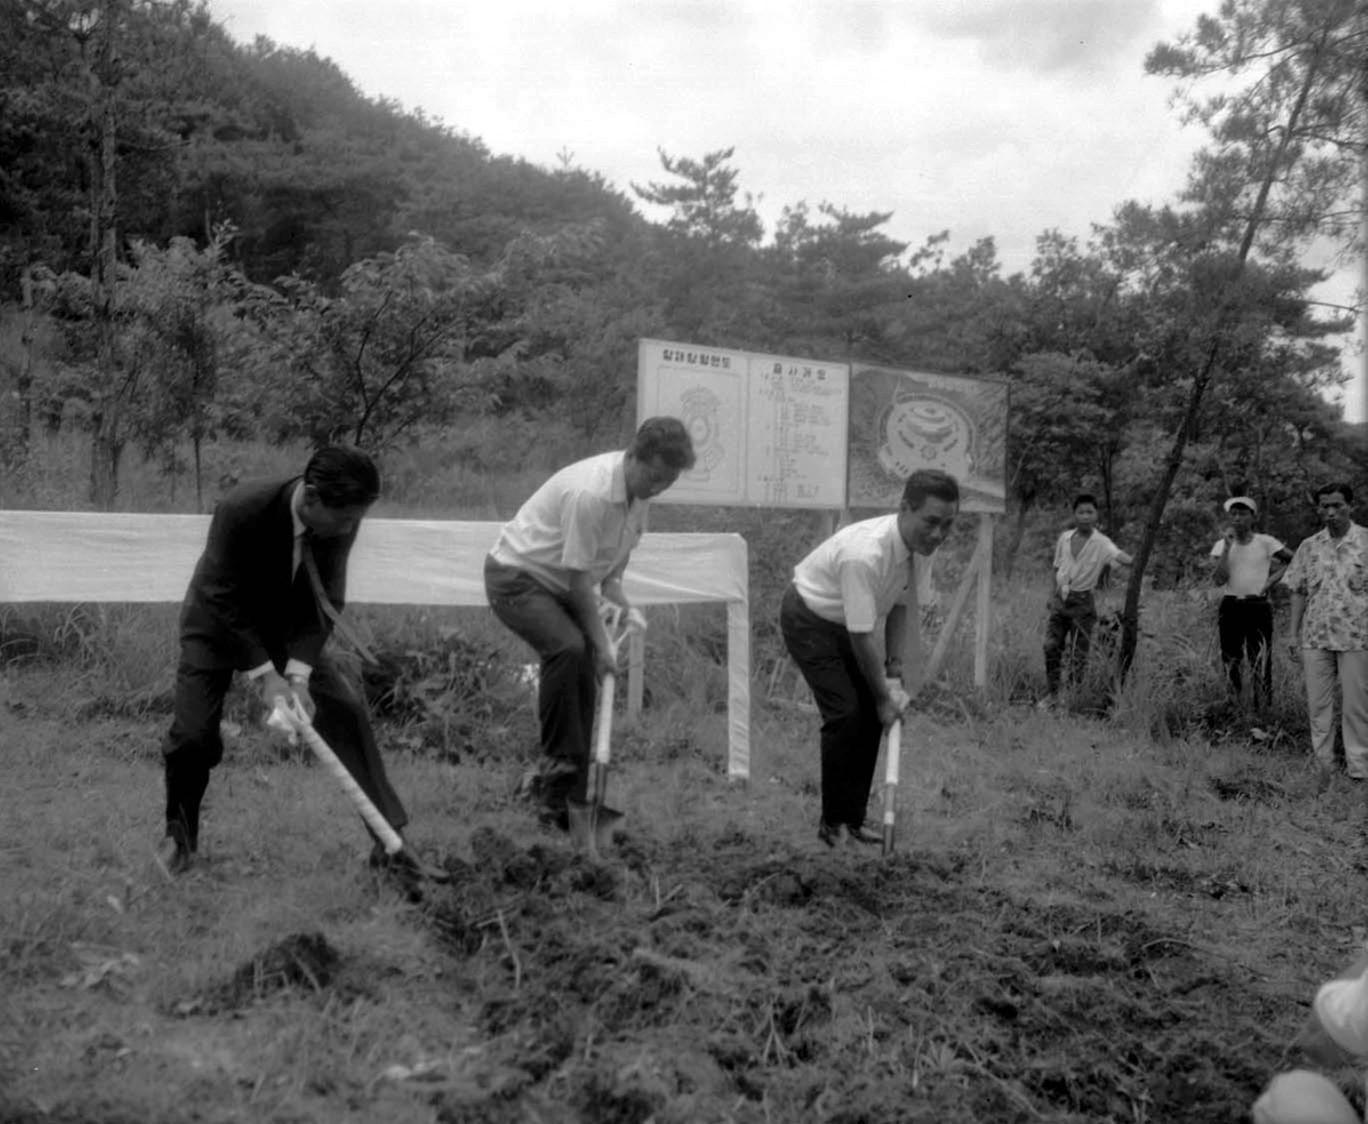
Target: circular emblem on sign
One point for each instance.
(925, 432)
(698, 410)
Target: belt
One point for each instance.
(1246, 597)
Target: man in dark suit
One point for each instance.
(263, 600)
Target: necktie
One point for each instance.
(325, 606)
(913, 663)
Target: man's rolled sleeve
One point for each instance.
(857, 597)
(581, 518)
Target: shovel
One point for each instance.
(593, 825)
(292, 719)
(892, 762)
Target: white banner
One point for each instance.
(82, 556)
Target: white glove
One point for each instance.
(901, 699)
(285, 719)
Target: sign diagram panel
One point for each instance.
(901, 421)
(767, 430)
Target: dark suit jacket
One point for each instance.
(243, 607)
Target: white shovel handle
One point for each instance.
(296, 719)
(604, 733)
(893, 756)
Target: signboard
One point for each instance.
(901, 421)
(768, 430)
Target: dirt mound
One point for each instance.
(828, 986)
(304, 962)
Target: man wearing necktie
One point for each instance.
(844, 620)
(264, 598)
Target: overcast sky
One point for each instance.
(983, 117)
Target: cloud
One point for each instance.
(1046, 35)
(987, 117)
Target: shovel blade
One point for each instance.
(593, 826)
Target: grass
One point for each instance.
(1083, 923)
(1114, 912)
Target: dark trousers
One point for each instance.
(1071, 618)
(1245, 625)
(567, 687)
(851, 729)
(193, 745)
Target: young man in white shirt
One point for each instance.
(843, 620)
(1081, 554)
(1247, 565)
(570, 541)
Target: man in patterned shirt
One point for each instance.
(1329, 627)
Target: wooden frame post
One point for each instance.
(983, 610)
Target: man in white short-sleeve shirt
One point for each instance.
(1247, 565)
(1081, 554)
(567, 544)
(843, 619)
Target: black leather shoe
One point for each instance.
(833, 834)
(862, 833)
(550, 780)
(556, 817)
(172, 856)
(382, 860)
(400, 871)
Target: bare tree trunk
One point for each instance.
(1105, 464)
(17, 451)
(106, 434)
(1013, 543)
(106, 451)
(1130, 613)
(1363, 374)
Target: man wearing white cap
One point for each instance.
(1328, 628)
(1248, 564)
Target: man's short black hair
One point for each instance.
(929, 482)
(1343, 489)
(1082, 498)
(665, 438)
(342, 476)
